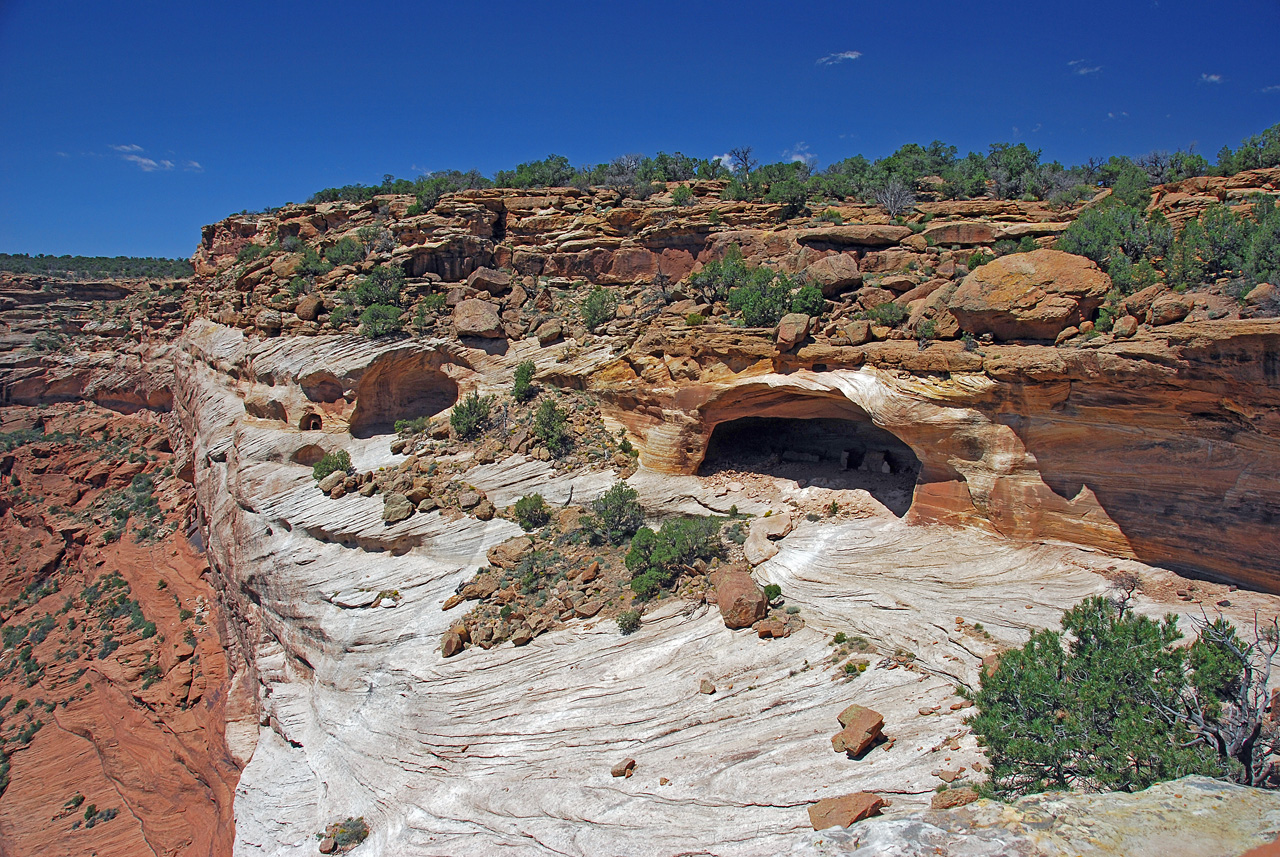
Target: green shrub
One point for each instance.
(763, 299)
(888, 314)
(682, 195)
(629, 622)
(382, 285)
(532, 512)
(978, 258)
(351, 832)
(331, 462)
(413, 426)
(380, 320)
(1118, 706)
(772, 591)
(616, 514)
(249, 253)
(713, 217)
(695, 319)
(598, 307)
(298, 286)
(522, 389)
(551, 425)
(1027, 244)
(808, 300)
(348, 251)
(831, 216)
(1100, 231)
(656, 559)
(340, 315)
(471, 415)
(311, 265)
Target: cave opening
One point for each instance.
(310, 422)
(824, 452)
(400, 390)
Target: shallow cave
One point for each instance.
(841, 454)
(403, 390)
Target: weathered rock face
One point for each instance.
(1140, 447)
(1029, 295)
(1194, 816)
(477, 318)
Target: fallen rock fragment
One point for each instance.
(844, 810)
(395, 508)
(952, 798)
(862, 728)
(624, 768)
(741, 601)
(705, 686)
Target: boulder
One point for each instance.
(706, 686)
(952, 798)
(862, 727)
(395, 507)
(624, 768)
(509, 552)
(473, 317)
(309, 308)
(452, 644)
(1139, 304)
(333, 480)
(966, 233)
(844, 810)
(857, 234)
(1029, 295)
(834, 274)
(549, 331)
(792, 329)
(269, 321)
(489, 280)
(759, 545)
(1125, 327)
(1168, 310)
(742, 603)
(857, 332)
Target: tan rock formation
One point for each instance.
(1029, 295)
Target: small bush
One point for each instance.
(978, 258)
(471, 415)
(772, 591)
(695, 319)
(656, 559)
(551, 425)
(888, 314)
(350, 832)
(713, 217)
(682, 195)
(331, 462)
(808, 300)
(831, 216)
(1027, 244)
(532, 512)
(380, 320)
(311, 265)
(629, 622)
(616, 515)
(249, 253)
(522, 389)
(598, 307)
(347, 251)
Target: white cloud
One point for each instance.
(833, 59)
(1211, 78)
(193, 166)
(147, 165)
(724, 159)
(129, 148)
(1271, 88)
(1082, 67)
(800, 153)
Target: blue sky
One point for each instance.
(130, 125)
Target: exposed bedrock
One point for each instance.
(1158, 449)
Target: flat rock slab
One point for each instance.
(844, 810)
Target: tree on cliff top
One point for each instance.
(1116, 706)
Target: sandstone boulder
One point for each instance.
(1168, 310)
(792, 329)
(1139, 304)
(489, 280)
(1029, 295)
(951, 798)
(333, 480)
(858, 234)
(395, 507)
(474, 317)
(966, 233)
(844, 810)
(624, 768)
(1125, 327)
(309, 308)
(862, 728)
(269, 321)
(509, 552)
(742, 603)
(857, 332)
(834, 274)
(759, 545)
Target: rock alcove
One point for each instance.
(397, 387)
(823, 452)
